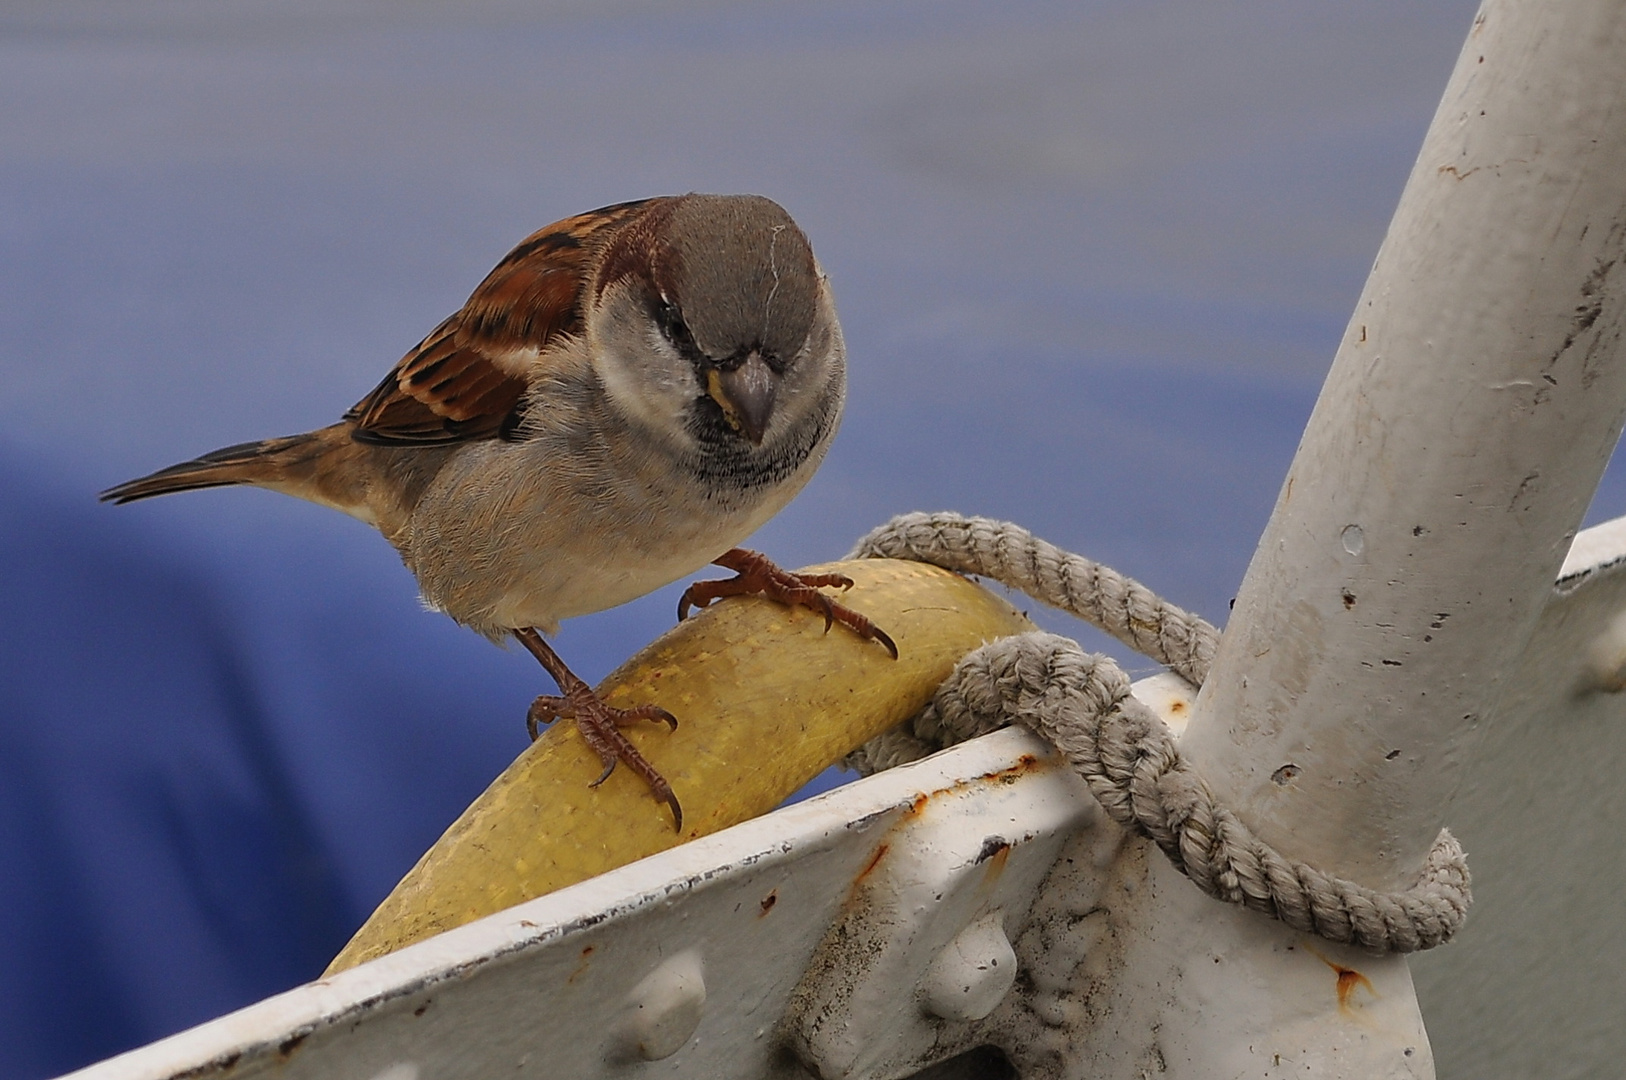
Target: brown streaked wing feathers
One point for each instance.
(466, 379)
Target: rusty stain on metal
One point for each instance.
(1024, 765)
(1347, 981)
(1285, 775)
(995, 847)
(769, 901)
(582, 964)
(995, 860)
(1009, 775)
(874, 861)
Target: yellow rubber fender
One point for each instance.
(765, 699)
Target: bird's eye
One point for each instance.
(673, 328)
(666, 317)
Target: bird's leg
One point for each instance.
(600, 724)
(757, 575)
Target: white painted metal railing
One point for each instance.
(702, 948)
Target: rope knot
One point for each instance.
(1081, 703)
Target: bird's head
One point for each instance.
(713, 325)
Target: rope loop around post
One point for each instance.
(1081, 703)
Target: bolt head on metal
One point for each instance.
(401, 1070)
(665, 1008)
(973, 973)
(1606, 658)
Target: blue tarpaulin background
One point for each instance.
(1092, 260)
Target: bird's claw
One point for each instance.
(757, 575)
(599, 724)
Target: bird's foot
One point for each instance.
(757, 575)
(600, 724)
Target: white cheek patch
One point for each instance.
(821, 360)
(647, 384)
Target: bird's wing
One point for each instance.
(467, 378)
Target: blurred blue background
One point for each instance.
(1092, 260)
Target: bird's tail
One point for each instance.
(286, 464)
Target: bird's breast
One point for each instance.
(530, 533)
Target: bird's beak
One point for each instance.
(746, 395)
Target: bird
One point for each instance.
(628, 395)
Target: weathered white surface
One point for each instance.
(717, 933)
(1456, 444)
(1184, 986)
(863, 930)
(1129, 971)
(1536, 985)
(923, 936)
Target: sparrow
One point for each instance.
(628, 395)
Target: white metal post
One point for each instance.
(1461, 433)
(1456, 445)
